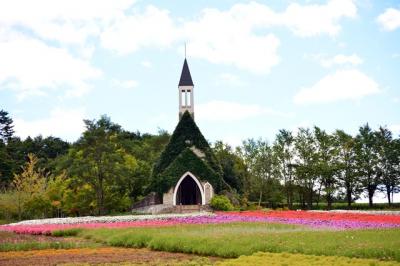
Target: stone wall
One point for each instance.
(168, 197)
(151, 199)
(208, 192)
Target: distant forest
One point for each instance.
(109, 168)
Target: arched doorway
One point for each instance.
(188, 191)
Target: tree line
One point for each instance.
(108, 168)
(313, 166)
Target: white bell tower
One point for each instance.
(185, 87)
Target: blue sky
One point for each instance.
(258, 66)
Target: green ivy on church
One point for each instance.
(178, 158)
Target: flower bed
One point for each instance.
(327, 220)
(109, 219)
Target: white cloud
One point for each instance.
(29, 66)
(216, 111)
(71, 21)
(341, 60)
(146, 64)
(125, 84)
(153, 28)
(229, 80)
(395, 129)
(390, 19)
(64, 123)
(233, 141)
(48, 44)
(233, 37)
(349, 84)
(311, 20)
(229, 37)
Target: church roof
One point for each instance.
(186, 78)
(194, 153)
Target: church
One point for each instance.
(187, 174)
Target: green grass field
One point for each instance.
(286, 259)
(234, 240)
(44, 245)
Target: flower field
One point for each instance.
(309, 237)
(321, 220)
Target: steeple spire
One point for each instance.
(185, 86)
(186, 78)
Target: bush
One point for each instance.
(66, 232)
(221, 203)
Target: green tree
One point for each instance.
(6, 126)
(388, 161)
(5, 166)
(306, 160)
(234, 172)
(367, 161)
(284, 150)
(98, 160)
(347, 169)
(327, 163)
(261, 162)
(55, 191)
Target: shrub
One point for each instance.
(66, 232)
(221, 203)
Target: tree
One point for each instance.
(388, 161)
(284, 151)
(234, 172)
(6, 126)
(99, 162)
(367, 161)
(29, 186)
(327, 165)
(347, 170)
(261, 162)
(5, 166)
(306, 159)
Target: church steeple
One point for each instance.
(185, 87)
(186, 78)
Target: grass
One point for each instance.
(44, 245)
(10, 241)
(279, 259)
(2, 221)
(234, 240)
(66, 232)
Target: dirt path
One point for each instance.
(100, 256)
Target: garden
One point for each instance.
(261, 237)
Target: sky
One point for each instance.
(257, 66)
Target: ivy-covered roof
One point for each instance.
(187, 150)
(186, 161)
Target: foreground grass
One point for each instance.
(234, 240)
(19, 242)
(279, 259)
(44, 245)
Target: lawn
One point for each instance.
(233, 240)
